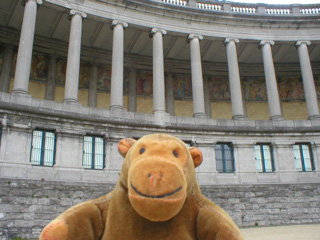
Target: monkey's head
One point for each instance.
(159, 173)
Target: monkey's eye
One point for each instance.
(175, 153)
(142, 150)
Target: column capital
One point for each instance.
(74, 12)
(154, 30)
(228, 40)
(299, 43)
(23, 3)
(264, 42)
(116, 22)
(191, 36)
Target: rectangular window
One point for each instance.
(303, 157)
(43, 148)
(224, 158)
(264, 157)
(93, 152)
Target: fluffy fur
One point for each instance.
(156, 197)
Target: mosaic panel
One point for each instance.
(255, 89)
(182, 87)
(291, 88)
(219, 88)
(144, 83)
(39, 67)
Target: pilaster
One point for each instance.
(132, 99)
(93, 86)
(51, 81)
(6, 69)
(169, 94)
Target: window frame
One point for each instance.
(223, 157)
(93, 152)
(302, 158)
(43, 147)
(262, 156)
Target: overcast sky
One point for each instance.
(279, 1)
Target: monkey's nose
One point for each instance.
(154, 178)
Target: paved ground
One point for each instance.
(292, 232)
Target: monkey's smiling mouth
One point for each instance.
(156, 196)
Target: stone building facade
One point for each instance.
(239, 81)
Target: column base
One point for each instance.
(20, 93)
(116, 107)
(200, 115)
(314, 117)
(277, 118)
(117, 111)
(71, 101)
(239, 117)
(160, 117)
(21, 97)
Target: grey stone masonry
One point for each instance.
(28, 205)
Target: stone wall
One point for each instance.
(26, 205)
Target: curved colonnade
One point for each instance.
(238, 81)
(193, 22)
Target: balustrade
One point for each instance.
(176, 2)
(243, 9)
(209, 6)
(246, 8)
(281, 11)
(307, 11)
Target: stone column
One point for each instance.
(196, 75)
(6, 69)
(159, 104)
(132, 98)
(22, 72)
(51, 81)
(93, 86)
(207, 102)
(234, 79)
(308, 81)
(73, 62)
(169, 95)
(271, 81)
(117, 65)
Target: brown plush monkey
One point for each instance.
(157, 197)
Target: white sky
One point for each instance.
(279, 1)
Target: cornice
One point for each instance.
(184, 20)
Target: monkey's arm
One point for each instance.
(85, 221)
(214, 223)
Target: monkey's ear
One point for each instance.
(124, 145)
(196, 155)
